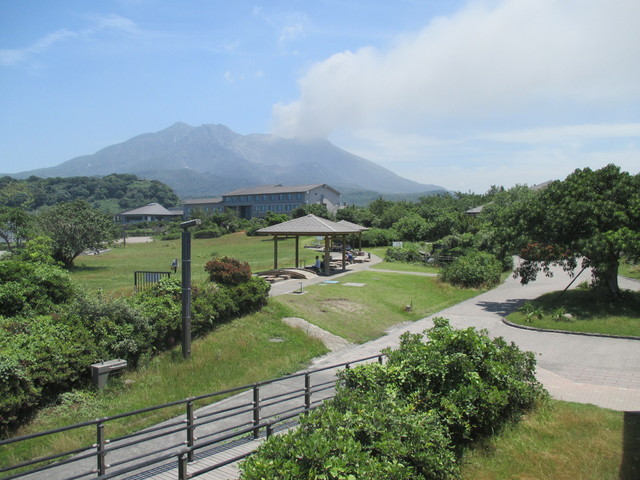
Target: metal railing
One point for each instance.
(143, 279)
(253, 412)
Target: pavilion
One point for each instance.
(310, 225)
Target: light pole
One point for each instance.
(186, 285)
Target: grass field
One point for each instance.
(362, 313)
(592, 311)
(113, 271)
(561, 441)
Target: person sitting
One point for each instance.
(318, 265)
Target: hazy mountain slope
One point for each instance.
(212, 159)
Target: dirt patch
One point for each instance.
(342, 305)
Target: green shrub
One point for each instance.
(41, 358)
(409, 253)
(378, 237)
(373, 436)
(407, 418)
(473, 270)
(228, 271)
(32, 287)
(475, 384)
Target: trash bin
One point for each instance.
(100, 371)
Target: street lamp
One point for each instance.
(186, 285)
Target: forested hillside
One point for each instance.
(110, 194)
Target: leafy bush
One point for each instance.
(473, 270)
(475, 384)
(372, 436)
(40, 359)
(409, 253)
(212, 232)
(378, 237)
(32, 287)
(228, 271)
(407, 418)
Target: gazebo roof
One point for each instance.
(353, 225)
(309, 225)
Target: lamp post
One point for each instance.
(186, 285)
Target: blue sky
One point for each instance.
(462, 94)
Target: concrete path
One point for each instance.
(586, 369)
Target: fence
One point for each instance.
(253, 412)
(143, 280)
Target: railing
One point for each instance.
(253, 412)
(143, 280)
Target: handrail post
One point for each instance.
(380, 359)
(101, 454)
(190, 430)
(182, 466)
(307, 391)
(256, 409)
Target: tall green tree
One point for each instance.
(15, 224)
(591, 218)
(75, 227)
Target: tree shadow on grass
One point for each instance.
(630, 466)
(85, 268)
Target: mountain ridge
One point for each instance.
(212, 159)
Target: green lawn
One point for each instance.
(362, 313)
(592, 310)
(560, 441)
(113, 271)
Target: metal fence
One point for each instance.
(232, 426)
(143, 280)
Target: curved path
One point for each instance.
(602, 371)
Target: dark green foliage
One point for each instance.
(128, 190)
(41, 358)
(228, 271)
(473, 270)
(409, 253)
(31, 287)
(378, 237)
(410, 417)
(372, 436)
(591, 218)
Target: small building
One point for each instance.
(152, 212)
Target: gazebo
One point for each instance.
(310, 225)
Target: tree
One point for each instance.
(14, 226)
(592, 217)
(75, 227)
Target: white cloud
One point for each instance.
(10, 57)
(110, 23)
(488, 62)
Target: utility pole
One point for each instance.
(186, 285)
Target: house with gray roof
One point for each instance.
(149, 213)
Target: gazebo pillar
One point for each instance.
(344, 252)
(297, 251)
(327, 254)
(275, 252)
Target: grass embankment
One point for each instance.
(362, 313)
(235, 354)
(591, 311)
(563, 441)
(113, 271)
